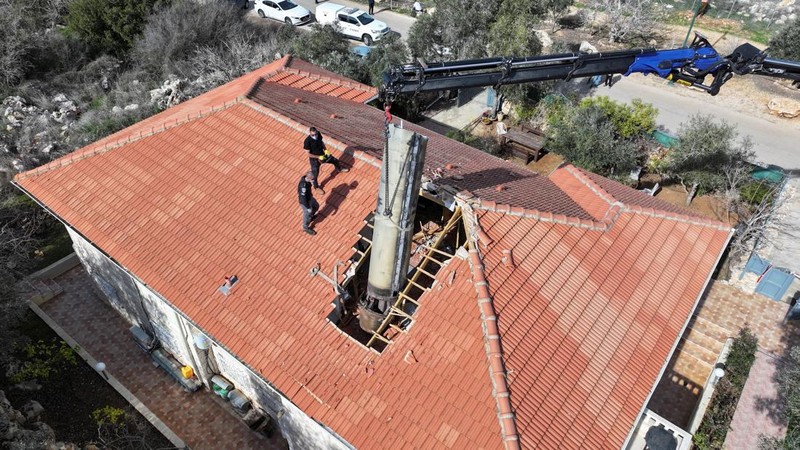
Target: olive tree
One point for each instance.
(626, 20)
(786, 42)
(587, 138)
(601, 135)
(706, 154)
(325, 47)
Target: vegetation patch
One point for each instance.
(715, 425)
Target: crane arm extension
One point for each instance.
(688, 66)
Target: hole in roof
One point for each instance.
(438, 233)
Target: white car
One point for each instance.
(352, 22)
(282, 10)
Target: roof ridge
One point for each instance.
(302, 128)
(491, 334)
(89, 151)
(580, 176)
(340, 82)
(683, 218)
(504, 208)
(596, 225)
(638, 209)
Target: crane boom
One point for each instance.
(688, 66)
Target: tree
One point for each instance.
(458, 29)
(630, 120)
(786, 42)
(109, 27)
(389, 51)
(626, 20)
(555, 9)
(586, 137)
(425, 39)
(325, 47)
(705, 151)
(17, 40)
(174, 33)
(512, 34)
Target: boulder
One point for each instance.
(169, 94)
(67, 110)
(587, 47)
(784, 107)
(32, 409)
(544, 38)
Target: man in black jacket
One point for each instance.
(308, 204)
(318, 155)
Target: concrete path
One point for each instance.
(197, 419)
(722, 312)
(758, 411)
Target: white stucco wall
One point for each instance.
(138, 304)
(300, 431)
(135, 301)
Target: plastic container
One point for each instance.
(221, 386)
(187, 372)
(239, 400)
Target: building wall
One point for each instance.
(300, 431)
(139, 305)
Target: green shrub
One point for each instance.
(109, 415)
(41, 360)
(109, 27)
(716, 422)
(756, 192)
(786, 42)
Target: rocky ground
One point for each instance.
(55, 412)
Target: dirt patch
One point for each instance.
(546, 164)
(707, 205)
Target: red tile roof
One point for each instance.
(361, 127)
(587, 314)
(588, 317)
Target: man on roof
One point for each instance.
(307, 201)
(318, 155)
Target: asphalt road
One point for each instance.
(775, 140)
(398, 22)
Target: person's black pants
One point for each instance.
(315, 163)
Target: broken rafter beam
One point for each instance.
(399, 312)
(436, 250)
(414, 283)
(408, 298)
(432, 276)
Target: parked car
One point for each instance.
(352, 22)
(282, 10)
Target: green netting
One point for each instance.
(667, 140)
(772, 174)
